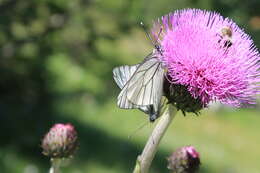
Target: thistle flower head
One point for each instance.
(60, 141)
(184, 160)
(210, 56)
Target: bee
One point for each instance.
(226, 37)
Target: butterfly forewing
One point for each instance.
(145, 86)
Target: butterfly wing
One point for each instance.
(145, 87)
(121, 75)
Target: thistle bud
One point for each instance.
(60, 141)
(180, 97)
(184, 160)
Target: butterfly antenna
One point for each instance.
(139, 128)
(159, 33)
(147, 34)
(155, 44)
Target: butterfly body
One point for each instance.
(150, 110)
(142, 85)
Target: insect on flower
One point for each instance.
(198, 57)
(142, 84)
(211, 56)
(226, 37)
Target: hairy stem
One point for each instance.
(55, 165)
(144, 160)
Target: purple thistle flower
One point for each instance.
(210, 56)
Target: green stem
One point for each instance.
(55, 165)
(144, 160)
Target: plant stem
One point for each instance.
(55, 165)
(144, 160)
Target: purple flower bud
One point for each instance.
(60, 141)
(184, 160)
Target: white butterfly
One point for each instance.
(142, 85)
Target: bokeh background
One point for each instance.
(56, 61)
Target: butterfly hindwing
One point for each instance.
(121, 75)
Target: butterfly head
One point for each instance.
(158, 49)
(153, 115)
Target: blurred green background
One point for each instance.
(56, 62)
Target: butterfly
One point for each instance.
(142, 85)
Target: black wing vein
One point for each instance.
(147, 74)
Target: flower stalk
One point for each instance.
(144, 160)
(55, 165)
